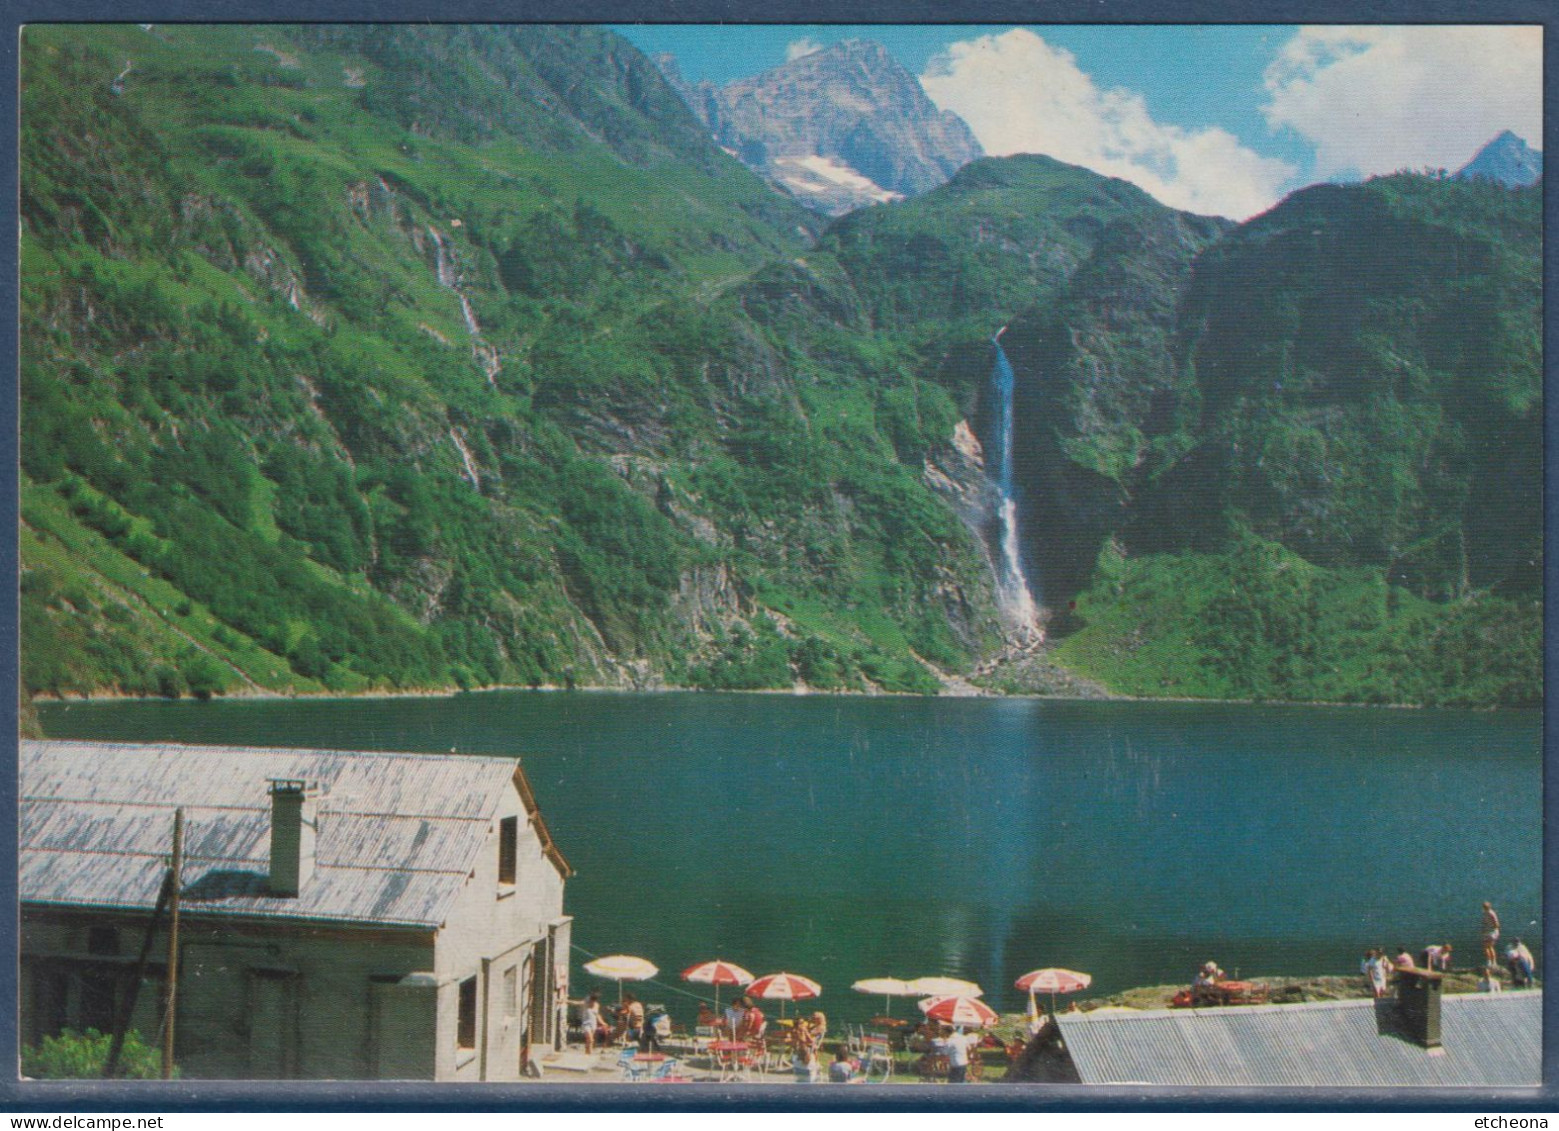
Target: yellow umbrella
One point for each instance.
(622, 968)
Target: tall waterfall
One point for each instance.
(1012, 586)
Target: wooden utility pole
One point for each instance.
(170, 993)
(126, 1003)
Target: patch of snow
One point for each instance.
(832, 174)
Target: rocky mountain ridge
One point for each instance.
(839, 128)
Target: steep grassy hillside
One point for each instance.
(1308, 464)
(390, 357)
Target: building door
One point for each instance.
(536, 994)
(273, 1025)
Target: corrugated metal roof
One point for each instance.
(398, 833)
(1490, 1040)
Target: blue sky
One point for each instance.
(1218, 119)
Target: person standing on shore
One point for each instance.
(590, 1022)
(1374, 968)
(1490, 934)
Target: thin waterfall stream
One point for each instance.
(1013, 592)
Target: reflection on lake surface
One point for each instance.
(845, 838)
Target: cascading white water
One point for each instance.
(486, 356)
(1012, 585)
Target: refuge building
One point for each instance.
(1422, 1041)
(342, 915)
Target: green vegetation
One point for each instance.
(1260, 622)
(84, 1056)
(347, 369)
(374, 358)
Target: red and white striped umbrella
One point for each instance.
(783, 988)
(717, 973)
(1052, 980)
(956, 1009)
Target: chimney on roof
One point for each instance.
(1418, 1005)
(294, 829)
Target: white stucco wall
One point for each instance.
(495, 927)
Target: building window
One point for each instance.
(508, 848)
(465, 1032)
(511, 993)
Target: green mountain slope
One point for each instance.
(407, 358)
(1312, 471)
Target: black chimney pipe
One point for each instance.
(1418, 1004)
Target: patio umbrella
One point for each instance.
(717, 974)
(889, 988)
(783, 988)
(1052, 980)
(622, 968)
(956, 1009)
(943, 986)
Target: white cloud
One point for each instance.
(1021, 95)
(801, 47)
(1378, 99)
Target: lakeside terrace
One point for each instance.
(1327, 1034)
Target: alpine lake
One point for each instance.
(849, 837)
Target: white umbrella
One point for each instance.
(945, 986)
(889, 988)
(622, 968)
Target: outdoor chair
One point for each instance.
(932, 1066)
(630, 1070)
(876, 1057)
(776, 1053)
(666, 1072)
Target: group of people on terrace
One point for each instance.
(1378, 964)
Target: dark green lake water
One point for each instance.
(844, 838)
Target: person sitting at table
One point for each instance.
(803, 1051)
(630, 1018)
(1203, 985)
(844, 1068)
(707, 1018)
(752, 1024)
(734, 1015)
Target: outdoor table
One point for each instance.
(728, 1057)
